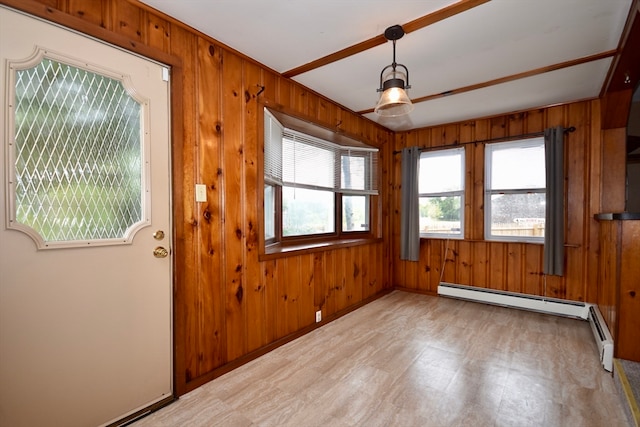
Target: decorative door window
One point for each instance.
(76, 153)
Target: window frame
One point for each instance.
(461, 192)
(488, 192)
(282, 244)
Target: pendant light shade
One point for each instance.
(394, 100)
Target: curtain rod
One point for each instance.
(484, 141)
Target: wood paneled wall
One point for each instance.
(609, 274)
(229, 306)
(515, 267)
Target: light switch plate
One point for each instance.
(201, 193)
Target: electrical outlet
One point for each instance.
(318, 316)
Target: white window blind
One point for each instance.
(358, 171)
(307, 162)
(295, 159)
(273, 132)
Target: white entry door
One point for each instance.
(85, 230)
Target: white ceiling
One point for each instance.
(500, 39)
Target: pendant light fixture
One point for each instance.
(394, 100)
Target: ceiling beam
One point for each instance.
(444, 13)
(416, 24)
(529, 73)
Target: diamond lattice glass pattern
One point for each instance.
(78, 154)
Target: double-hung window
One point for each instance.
(314, 187)
(441, 193)
(515, 190)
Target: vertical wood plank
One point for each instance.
(398, 268)
(595, 195)
(325, 112)
(576, 164)
(629, 291)
(480, 262)
(533, 270)
(451, 260)
(383, 268)
(320, 291)
(498, 127)
(255, 297)
(465, 264)
(158, 33)
(212, 345)
(516, 123)
(283, 92)
(351, 269)
(497, 259)
(340, 279)
(534, 121)
(330, 282)
(306, 307)
(613, 153)
(426, 269)
(282, 308)
(129, 20)
(608, 274)
(271, 86)
(359, 271)
(234, 213)
(187, 294)
(514, 267)
(385, 259)
(555, 286)
(482, 133)
(368, 263)
(95, 11)
(467, 134)
(292, 285)
(269, 269)
(410, 276)
(437, 262)
(300, 100)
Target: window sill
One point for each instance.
(515, 240)
(279, 250)
(491, 240)
(441, 237)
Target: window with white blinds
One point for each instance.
(295, 159)
(273, 133)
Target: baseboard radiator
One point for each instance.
(603, 338)
(554, 306)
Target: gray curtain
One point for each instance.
(554, 216)
(409, 211)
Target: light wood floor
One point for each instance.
(415, 360)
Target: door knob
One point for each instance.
(160, 252)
